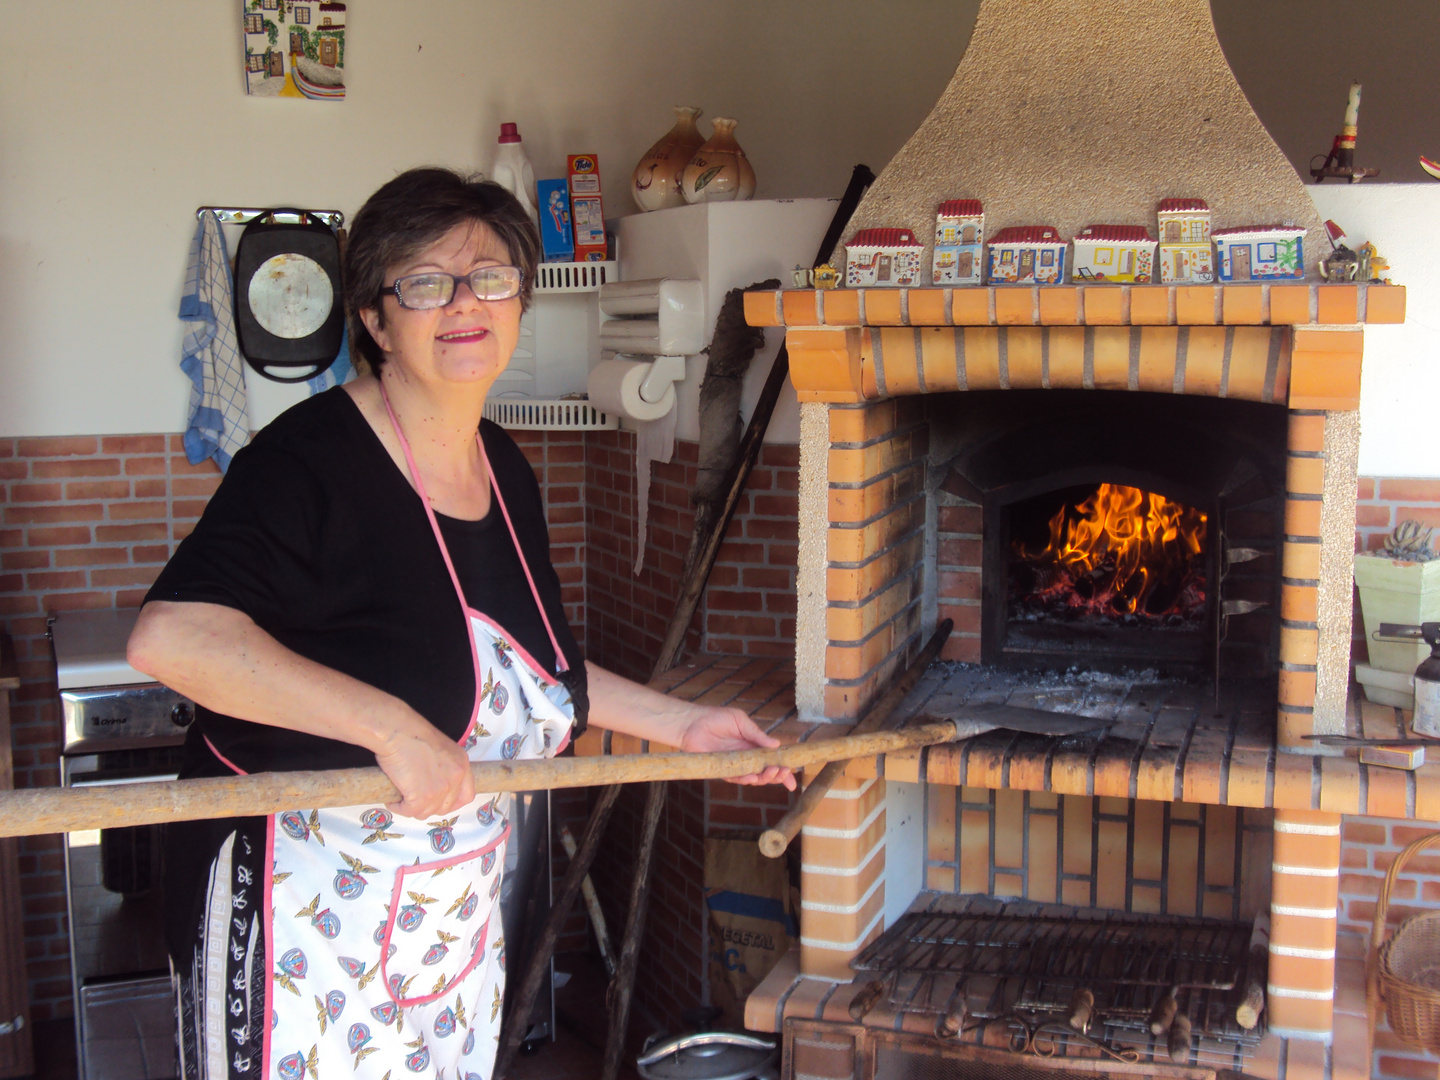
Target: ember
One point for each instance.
(1122, 554)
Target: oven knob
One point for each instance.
(182, 714)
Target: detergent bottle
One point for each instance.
(512, 170)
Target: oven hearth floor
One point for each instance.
(1171, 747)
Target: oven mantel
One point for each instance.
(831, 337)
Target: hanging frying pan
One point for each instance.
(289, 312)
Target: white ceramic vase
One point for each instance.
(719, 171)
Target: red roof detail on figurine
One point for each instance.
(1239, 230)
(884, 238)
(1117, 234)
(1171, 206)
(961, 208)
(1027, 234)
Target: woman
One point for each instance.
(371, 584)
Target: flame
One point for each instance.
(1119, 552)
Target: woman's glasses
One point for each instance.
(436, 289)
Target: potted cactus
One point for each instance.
(1399, 583)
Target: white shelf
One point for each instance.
(573, 277)
(533, 414)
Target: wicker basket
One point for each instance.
(1407, 967)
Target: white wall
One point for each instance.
(1400, 378)
(118, 120)
(133, 114)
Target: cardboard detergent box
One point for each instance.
(586, 215)
(557, 239)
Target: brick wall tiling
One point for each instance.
(88, 521)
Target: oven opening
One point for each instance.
(1107, 569)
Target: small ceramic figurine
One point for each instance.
(1260, 252)
(959, 243)
(1026, 255)
(883, 257)
(1372, 266)
(1341, 264)
(1185, 254)
(803, 277)
(1341, 160)
(825, 276)
(1119, 254)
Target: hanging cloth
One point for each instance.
(219, 421)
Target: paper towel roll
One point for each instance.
(615, 387)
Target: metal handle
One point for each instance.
(664, 1049)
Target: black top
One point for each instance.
(321, 540)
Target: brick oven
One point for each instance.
(923, 408)
(943, 430)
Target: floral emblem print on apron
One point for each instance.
(385, 946)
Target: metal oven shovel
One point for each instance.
(971, 720)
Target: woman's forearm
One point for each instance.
(219, 658)
(618, 704)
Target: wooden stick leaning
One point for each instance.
(35, 811)
(774, 841)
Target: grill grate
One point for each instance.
(1025, 963)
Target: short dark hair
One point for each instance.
(410, 213)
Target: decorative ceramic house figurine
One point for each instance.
(883, 257)
(1114, 253)
(1185, 254)
(1260, 252)
(1026, 255)
(959, 243)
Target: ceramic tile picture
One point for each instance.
(294, 48)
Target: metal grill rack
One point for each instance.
(1023, 962)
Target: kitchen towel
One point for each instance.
(210, 353)
(654, 441)
(338, 373)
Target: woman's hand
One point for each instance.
(617, 704)
(216, 656)
(431, 771)
(732, 729)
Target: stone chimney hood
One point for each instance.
(1073, 112)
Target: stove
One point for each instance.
(120, 727)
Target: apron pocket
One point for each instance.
(438, 923)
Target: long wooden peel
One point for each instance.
(774, 841)
(34, 811)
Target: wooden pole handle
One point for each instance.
(775, 840)
(33, 811)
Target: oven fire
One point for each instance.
(1122, 555)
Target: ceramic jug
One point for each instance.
(719, 171)
(655, 183)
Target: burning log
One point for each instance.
(1163, 1014)
(1082, 1007)
(1251, 989)
(948, 1025)
(1178, 1042)
(866, 999)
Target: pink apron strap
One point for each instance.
(561, 663)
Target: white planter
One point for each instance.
(1395, 591)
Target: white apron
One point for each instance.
(385, 947)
